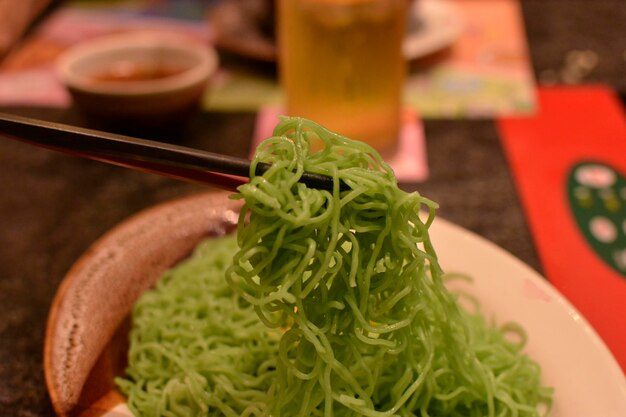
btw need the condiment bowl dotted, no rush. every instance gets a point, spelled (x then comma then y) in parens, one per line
(138, 77)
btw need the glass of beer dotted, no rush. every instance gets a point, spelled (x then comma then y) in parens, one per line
(341, 65)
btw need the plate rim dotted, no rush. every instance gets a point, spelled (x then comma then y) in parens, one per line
(563, 307)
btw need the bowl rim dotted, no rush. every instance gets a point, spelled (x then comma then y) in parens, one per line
(199, 74)
(70, 349)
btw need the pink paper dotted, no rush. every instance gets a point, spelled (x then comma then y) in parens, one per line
(408, 162)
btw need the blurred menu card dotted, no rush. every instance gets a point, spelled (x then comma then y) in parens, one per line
(570, 167)
(486, 70)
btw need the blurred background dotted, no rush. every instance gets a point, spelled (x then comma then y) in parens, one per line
(505, 112)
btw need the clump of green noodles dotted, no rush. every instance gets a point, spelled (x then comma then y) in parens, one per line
(352, 279)
(334, 306)
(196, 348)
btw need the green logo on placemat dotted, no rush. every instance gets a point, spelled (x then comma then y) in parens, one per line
(597, 197)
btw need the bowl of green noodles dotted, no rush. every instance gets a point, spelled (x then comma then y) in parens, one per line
(281, 300)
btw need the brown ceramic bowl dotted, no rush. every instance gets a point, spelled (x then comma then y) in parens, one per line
(86, 336)
(138, 77)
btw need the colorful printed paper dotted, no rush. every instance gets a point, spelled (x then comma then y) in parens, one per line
(487, 70)
(569, 162)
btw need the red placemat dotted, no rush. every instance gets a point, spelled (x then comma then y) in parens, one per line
(569, 163)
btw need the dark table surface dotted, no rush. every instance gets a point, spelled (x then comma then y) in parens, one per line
(54, 206)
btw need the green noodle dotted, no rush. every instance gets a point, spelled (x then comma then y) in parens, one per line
(337, 302)
(196, 348)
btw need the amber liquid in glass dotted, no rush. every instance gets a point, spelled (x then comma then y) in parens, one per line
(341, 65)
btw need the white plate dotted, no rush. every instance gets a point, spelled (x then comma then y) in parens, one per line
(433, 25)
(586, 378)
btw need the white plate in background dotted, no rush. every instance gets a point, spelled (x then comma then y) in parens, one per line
(433, 25)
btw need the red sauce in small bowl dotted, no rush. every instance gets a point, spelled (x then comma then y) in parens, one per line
(127, 71)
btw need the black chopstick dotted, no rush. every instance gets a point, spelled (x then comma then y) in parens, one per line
(145, 155)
